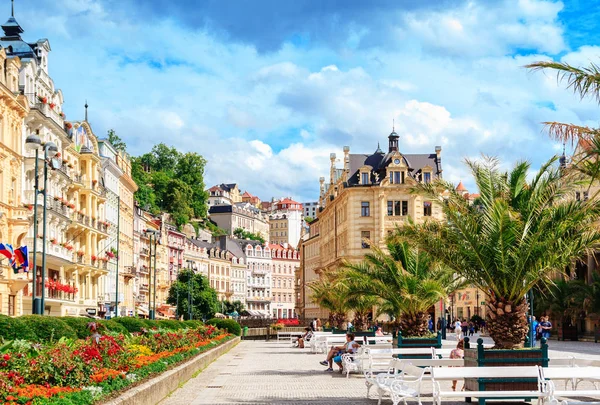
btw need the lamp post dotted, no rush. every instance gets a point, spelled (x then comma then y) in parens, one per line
(189, 262)
(151, 291)
(33, 142)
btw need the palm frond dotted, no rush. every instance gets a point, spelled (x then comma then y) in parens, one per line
(583, 81)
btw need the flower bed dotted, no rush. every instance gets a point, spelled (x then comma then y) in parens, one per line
(83, 371)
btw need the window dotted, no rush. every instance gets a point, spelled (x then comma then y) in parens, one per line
(364, 209)
(390, 208)
(364, 178)
(426, 177)
(578, 196)
(364, 239)
(397, 208)
(427, 208)
(12, 305)
(404, 208)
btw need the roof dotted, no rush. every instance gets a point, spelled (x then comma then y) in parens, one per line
(287, 201)
(461, 187)
(379, 162)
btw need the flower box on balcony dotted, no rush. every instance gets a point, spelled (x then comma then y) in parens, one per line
(53, 241)
(94, 258)
(80, 253)
(43, 100)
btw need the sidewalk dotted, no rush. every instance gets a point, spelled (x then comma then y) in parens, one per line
(259, 372)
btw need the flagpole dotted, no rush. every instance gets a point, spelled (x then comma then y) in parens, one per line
(34, 301)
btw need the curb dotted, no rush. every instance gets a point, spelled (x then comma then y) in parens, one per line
(156, 389)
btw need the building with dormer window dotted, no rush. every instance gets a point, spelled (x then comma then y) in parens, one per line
(362, 204)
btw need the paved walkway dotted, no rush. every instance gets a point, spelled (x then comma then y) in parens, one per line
(259, 372)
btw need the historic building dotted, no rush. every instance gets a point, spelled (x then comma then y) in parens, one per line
(251, 199)
(240, 215)
(285, 262)
(310, 209)
(362, 203)
(224, 194)
(14, 216)
(111, 174)
(285, 222)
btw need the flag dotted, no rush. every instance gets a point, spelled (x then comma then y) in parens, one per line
(7, 251)
(21, 259)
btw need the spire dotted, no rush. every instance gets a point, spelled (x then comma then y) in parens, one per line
(461, 187)
(378, 149)
(563, 159)
(11, 27)
(393, 125)
(86, 107)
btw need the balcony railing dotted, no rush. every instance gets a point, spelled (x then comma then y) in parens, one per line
(45, 108)
(144, 288)
(54, 249)
(258, 299)
(258, 285)
(145, 252)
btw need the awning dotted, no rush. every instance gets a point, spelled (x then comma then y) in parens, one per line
(142, 310)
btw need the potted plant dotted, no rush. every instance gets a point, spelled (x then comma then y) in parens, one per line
(52, 105)
(62, 115)
(94, 258)
(53, 241)
(43, 100)
(80, 253)
(68, 125)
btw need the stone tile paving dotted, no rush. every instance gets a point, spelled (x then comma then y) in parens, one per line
(259, 372)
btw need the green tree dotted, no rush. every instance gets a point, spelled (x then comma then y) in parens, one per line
(235, 306)
(328, 294)
(116, 141)
(178, 201)
(190, 169)
(405, 280)
(204, 298)
(523, 233)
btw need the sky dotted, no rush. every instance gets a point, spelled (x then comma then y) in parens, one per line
(265, 90)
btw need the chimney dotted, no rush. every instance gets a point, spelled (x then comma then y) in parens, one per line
(223, 242)
(332, 170)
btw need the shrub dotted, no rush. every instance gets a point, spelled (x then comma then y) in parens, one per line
(79, 325)
(151, 323)
(15, 328)
(113, 326)
(229, 325)
(133, 325)
(171, 324)
(47, 328)
(193, 324)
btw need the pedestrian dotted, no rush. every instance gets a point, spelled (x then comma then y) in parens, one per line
(458, 330)
(319, 324)
(535, 327)
(471, 328)
(349, 326)
(464, 327)
(313, 325)
(458, 353)
(439, 323)
(430, 324)
(546, 327)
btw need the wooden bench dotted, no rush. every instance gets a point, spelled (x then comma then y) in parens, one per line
(488, 374)
(574, 375)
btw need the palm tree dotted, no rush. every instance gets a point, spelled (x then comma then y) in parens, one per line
(584, 81)
(521, 233)
(404, 281)
(327, 294)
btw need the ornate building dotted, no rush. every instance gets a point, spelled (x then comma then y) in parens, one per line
(14, 216)
(364, 201)
(285, 262)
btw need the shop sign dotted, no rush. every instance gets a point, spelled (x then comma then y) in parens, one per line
(91, 311)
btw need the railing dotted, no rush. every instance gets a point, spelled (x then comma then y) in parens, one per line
(45, 108)
(57, 206)
(257, 271)
(258, 299)
(77, 178)
(54, 294)
(54, 249)
(258, 285)
(144, 270)
(79, 259)
(143, 287)
(145, 252)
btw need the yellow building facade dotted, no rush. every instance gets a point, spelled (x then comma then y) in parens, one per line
(362, 204)
(127, 273)
(14, 216)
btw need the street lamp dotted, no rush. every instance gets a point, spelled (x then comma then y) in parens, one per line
(190, 262)
(151, 300)
(33, 142)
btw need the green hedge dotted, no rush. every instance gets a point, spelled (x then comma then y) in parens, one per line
(133, 325)
(113, 326)
(193, 324)
(47, 328)
(14, 328)
(171, 324)
(78, 324)
(229, 325)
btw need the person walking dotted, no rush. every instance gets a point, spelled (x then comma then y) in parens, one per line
(457, 353)
(535, 327)
(458, 329)
(546, 327)
(319, 324)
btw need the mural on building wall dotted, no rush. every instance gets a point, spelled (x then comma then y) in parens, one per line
(82, 138)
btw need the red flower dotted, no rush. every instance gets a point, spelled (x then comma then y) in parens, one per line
(6, 357)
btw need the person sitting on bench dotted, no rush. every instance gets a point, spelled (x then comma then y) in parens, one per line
(304, 338)
(335, 354)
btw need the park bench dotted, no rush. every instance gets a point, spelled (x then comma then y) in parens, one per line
(401, 382)
(574, 375)
(441, 353)
(289, 336)
(317, 338)
(488, 375)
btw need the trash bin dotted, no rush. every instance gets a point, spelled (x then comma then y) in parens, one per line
(245, 331)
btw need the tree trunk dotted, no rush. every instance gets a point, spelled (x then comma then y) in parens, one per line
(414, 324)
(507, 322)
(360, 320)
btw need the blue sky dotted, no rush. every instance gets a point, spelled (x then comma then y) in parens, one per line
(265, 90)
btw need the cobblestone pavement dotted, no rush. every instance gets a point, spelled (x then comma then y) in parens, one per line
(259, 372)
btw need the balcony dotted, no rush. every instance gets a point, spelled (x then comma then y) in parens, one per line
(144, 270)
(257, 299)
(46, 109)
(58, 206)
(145, 252)
(143, 288)
(59, 290)
(261, 271)
(258, 285)
(64, 255)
